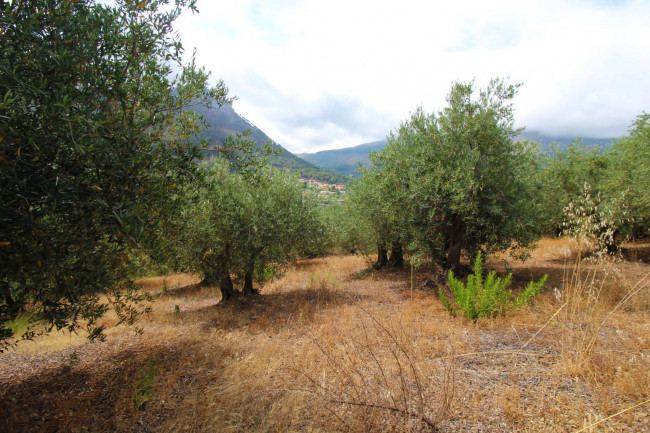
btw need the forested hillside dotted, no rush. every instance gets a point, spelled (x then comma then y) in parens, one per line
(224, 122)
(345, 161)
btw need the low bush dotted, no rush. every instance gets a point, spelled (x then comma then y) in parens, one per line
(487, 297)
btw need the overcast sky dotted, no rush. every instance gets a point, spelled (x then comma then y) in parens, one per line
(318, 75)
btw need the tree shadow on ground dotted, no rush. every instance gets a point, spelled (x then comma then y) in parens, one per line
(631, 252)
(107, 394)
(197, 290)
(522, 274)
(271, 312)
(637, 252)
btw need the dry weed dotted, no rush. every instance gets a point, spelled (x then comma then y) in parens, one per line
(588, 313)
(377, 379)
(508, 398)
(322, 350)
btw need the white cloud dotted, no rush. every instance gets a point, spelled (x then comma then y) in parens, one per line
(318, 75)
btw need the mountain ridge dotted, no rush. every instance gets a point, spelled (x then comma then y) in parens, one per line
(224, 121)
(336, 165)
(346, 160)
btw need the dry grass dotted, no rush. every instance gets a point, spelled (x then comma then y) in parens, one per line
(324, 350)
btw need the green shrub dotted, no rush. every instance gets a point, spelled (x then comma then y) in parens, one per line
(144, 387)
(485, 298)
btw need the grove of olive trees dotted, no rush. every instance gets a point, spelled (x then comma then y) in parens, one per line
(98, 159)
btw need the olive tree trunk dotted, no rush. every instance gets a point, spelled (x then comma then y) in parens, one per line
(382, 256)
(396, 254)
(220, 277)
(248, 276)
(456, 232)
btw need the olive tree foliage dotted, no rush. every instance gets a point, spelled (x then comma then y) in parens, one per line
(627, 177)
(374, 205)
(564, 174)
(92, 141)
(612, 182)
(573, 203)
(280, 226)
(244, 219)
(457, 179)
(341, 230)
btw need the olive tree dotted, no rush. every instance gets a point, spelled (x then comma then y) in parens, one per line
(377, 201)
(280, 225)
(242, 218)
(93, 139)
(607, 186)
(563, 175)
(627, 176)
(458, 180)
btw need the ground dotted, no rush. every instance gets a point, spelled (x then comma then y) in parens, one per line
(335, 346)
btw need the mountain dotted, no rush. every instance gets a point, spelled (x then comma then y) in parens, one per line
(338, 165)
(224, 121)
(545, 141)
(346, 161)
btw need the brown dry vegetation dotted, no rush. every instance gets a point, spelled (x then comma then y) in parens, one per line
(334, 347)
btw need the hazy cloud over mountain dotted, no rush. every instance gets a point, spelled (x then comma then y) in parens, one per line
(319, 75)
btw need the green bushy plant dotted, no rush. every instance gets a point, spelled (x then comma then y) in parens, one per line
(487, 297)
(144, 391)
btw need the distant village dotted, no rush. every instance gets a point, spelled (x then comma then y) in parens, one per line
(324, 190)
